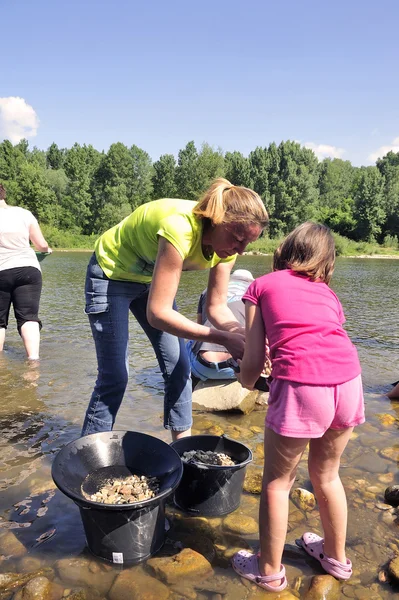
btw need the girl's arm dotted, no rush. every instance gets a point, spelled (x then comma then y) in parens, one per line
(37, 238)
(217, 309)
(160, 313)
(253, 361)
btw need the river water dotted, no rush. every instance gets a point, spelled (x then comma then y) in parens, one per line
(42, 408)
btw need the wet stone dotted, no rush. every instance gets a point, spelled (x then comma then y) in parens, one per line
(391, 495)
(303, 499)
(12, 581)
(76, 572)
(135, 584)
(386, 420)
(11, 546)
(38, 588)
(390, 454)
(216, 430)
(29, 563)
(323, 587)
(393, 569)
(253, 480)
(370, 462)
(188, 564)
(240, 524)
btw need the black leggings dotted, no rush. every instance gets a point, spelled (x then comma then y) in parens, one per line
(22, 288)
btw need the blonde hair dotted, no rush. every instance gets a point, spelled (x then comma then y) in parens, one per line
(224, 202)
(308, 250)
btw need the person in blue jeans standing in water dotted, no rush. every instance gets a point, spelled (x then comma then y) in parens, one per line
(136, 267)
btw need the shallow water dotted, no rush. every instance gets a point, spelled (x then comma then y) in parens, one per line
(42, 409)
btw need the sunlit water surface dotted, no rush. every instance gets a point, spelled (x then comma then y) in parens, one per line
(42, 409)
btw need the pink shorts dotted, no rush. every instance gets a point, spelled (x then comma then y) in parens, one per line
(307, 411)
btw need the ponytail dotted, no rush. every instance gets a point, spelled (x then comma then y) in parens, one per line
(224, 202)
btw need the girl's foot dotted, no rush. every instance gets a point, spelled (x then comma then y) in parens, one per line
(313, 544)
(246, 564)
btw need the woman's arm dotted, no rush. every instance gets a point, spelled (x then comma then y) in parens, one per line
(37, 238)
(160, 313)
(253, 361)
(217, 308)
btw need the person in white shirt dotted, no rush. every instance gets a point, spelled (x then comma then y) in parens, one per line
(20, 273)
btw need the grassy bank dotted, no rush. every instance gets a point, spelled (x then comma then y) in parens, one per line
(344, 246)
(67, 240)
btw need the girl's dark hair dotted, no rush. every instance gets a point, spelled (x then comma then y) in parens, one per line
(308, 250)
(3, 193)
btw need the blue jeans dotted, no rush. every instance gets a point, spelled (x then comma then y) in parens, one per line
(108, 303)
(203, 372)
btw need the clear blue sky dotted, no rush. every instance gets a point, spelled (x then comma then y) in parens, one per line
(233, 73)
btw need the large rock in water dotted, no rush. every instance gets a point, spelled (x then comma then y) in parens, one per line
(224, 394)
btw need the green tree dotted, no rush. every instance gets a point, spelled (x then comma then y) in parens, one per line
(187, 180)
(210, 166)
(54, 157)
(294, 190)
(81, 162)
(38, 157)
(11, 159)
(57, 181)
(237, 169)
(141, 182)
(34, 193)
(336, 178)
(389, 169)
(369, 203)
(116, 207)
(163, 180)
(259, 171)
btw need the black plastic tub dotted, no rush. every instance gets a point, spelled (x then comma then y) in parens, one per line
(128, 533)
(211, 490)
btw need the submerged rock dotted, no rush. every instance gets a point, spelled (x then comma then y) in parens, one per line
(135, 584)
(253, 480)
(323, 587)
(188, 564)
(393, 569)
(80, 572)
(303, 499)
(11, 546)
(12, 581)
(391, 495)
(243, 524)
(39, 588)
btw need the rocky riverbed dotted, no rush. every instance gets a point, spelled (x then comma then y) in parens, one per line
(43, 553)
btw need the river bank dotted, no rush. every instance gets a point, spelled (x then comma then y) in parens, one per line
(384, 256)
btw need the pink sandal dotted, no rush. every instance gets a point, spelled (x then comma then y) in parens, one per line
(313, 544)
(246, 564)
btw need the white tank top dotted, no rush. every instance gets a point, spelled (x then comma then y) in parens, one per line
(15, 250)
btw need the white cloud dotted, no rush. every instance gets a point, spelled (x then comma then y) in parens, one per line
(18, 119)
(324, 150)
(382, 150)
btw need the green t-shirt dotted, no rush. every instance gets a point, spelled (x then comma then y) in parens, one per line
(128, 250)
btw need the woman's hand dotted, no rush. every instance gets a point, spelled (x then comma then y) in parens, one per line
(234, 343)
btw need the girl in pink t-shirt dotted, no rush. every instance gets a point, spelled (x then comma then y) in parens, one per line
(316, 397)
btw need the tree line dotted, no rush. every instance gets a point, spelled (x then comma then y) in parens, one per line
(85, 191)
